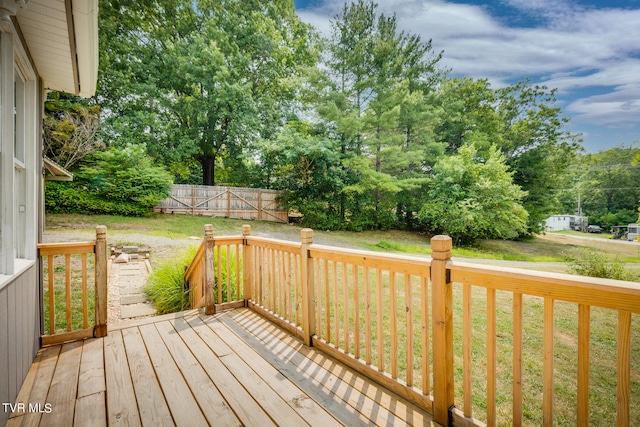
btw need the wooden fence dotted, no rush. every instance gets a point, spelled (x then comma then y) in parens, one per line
(431, 329)
(228, 202)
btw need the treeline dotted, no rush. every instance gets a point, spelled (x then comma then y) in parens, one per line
(362, 130)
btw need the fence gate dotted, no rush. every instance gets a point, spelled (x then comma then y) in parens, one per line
(229, 202)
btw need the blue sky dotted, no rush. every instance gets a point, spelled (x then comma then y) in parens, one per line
(589, 50)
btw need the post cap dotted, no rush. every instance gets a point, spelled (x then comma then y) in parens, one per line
(246, 230)
(101, 231)
(441, 247)
(208, 230)
(306, 234)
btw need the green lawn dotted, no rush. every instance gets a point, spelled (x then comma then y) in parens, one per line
(183, 226)
(550, 248)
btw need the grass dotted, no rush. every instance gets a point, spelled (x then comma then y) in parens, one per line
(60, 304)
(551, 248)
(603, 345)
(165, 286)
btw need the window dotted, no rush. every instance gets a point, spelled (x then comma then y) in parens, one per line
(19, 161)
(20, 172)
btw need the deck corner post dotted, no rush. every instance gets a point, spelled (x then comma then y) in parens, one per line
(442, 317)
(101, 292)
(308, 305)
(209, 270)
(247, 265)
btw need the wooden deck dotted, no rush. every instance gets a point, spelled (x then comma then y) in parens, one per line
(188, 369)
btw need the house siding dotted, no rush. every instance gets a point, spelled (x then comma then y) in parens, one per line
(20, 331)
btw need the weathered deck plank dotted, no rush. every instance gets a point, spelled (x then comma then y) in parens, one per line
(91, 369)
(121, 405)
(180, 400)
(324, 378)
(211, 402)
(234, 368)
(64, 387)
(152, 407)
(299, 401)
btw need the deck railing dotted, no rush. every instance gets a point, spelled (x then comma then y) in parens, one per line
(70, 274)
(432, 330)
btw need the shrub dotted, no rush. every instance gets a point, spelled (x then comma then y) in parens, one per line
(165, 286)
(597, 264)
(118, 181)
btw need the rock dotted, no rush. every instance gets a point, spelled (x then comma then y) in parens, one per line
(122, 258)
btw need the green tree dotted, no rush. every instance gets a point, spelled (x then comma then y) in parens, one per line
(473, 197)
(524, 123)
(71, 126)
(375, 104)
(608, 184)
(306, 164)
(199, 81)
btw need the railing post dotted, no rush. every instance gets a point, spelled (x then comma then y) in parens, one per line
(101, 293)
(442, 315)
(247, 265)
(306, 275)
(209, 271)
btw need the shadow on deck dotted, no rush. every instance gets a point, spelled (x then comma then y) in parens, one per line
(188, 369)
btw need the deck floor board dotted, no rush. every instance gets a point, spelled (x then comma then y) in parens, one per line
(231, 369)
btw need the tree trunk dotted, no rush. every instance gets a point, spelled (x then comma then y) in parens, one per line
(208, 169)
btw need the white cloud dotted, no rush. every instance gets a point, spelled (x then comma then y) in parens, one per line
(570, 47)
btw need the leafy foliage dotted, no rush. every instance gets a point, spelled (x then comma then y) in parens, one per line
(607, 185)
(597, 264)
(70, 129)
(472, 198)
(117, 181)
(230, 91)
(199, 81)
(165, 286)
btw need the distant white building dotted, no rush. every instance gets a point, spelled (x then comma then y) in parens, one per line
(566, 222)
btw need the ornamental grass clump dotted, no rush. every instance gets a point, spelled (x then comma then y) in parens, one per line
(165, 286)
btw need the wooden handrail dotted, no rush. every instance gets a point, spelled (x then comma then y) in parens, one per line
(68, 249)
(385, 314)
(597, 292)
(585, 292)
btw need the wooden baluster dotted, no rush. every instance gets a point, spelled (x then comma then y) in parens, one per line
(101, 292)
(393, 313)
(228, 257)
(52, 294)
(336, 312)
(466, 349)
(442, 324)
(345, 301)
(380, 316)
(85, 297)
(318, 299)
(491, 357)
(209, 270)
(624, 369)
(409, 322)
(247, 265)
(517, 359)
(306, 277)
(548, 362)
(327, 301)
(424, 300)
(67, 287)
(217, 268)
(367, 315)
(356, 313)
